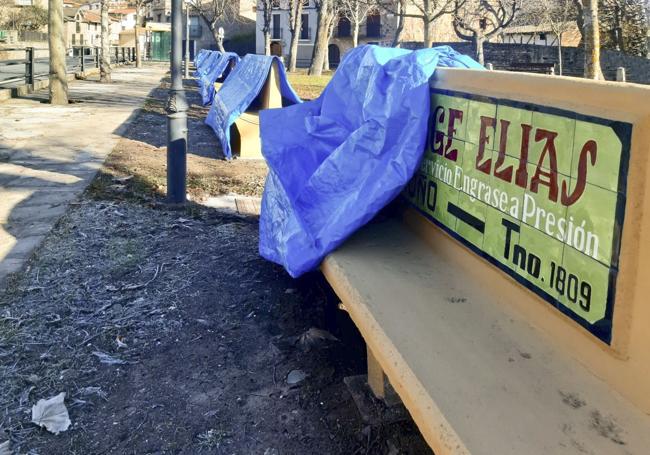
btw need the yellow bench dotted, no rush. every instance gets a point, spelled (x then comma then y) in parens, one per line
(481, 359)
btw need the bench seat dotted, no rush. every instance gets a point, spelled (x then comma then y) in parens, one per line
(474, 374)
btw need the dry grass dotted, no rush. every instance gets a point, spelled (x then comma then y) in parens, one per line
(137, 169)
(145, 171)
(309, 87)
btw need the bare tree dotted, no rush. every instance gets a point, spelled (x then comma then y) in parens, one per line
(591, 35)
(556, 15)
(430, 10)
(25, 18)
(479, 20)
(623, 26)
(139, 5)
(6, 6)
(399, 11)
(356, 11)
(266, 6)
(335, 14)
(295, 27)
(216, 12)
(58, 79)
(325, 15)
(105, 59)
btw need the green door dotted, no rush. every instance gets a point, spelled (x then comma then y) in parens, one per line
(160, 45)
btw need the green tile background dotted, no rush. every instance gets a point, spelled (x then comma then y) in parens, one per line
(597, 206)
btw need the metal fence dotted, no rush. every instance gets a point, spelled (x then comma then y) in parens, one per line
(34, 65)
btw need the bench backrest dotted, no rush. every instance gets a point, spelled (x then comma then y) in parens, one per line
(541, 182)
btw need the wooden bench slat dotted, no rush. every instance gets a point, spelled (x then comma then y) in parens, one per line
(476, 377)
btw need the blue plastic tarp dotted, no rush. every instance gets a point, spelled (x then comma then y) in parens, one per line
(219, 67)
(203, 53)
(201, 70)
(335, 162)
(239, 91)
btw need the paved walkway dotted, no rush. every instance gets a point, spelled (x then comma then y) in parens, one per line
(49, 154)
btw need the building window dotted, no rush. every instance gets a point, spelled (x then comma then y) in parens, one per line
(196, 29)
(542, 36)
(159, 18)
(277, 29)
(344, 27)
(78, 27)
(275, 4)
(373, 26)
(304, 27)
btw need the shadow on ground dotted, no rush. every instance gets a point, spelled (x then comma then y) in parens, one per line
(169, 334)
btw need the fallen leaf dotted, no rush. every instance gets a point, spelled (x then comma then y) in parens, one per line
(120, 342)
(5, 449)
(105, 358)
(122, 179)
(296, 376)
(315, 336)
(51, 414)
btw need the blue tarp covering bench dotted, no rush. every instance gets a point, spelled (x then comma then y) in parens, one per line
(335, 162)
(242, 91)
(200, 57)
(218, 69)
(206, 63)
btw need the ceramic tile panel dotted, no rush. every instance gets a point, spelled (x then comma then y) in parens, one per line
(537, 191)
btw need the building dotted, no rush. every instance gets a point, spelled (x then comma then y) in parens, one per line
(159, 11)
(39, 3)
(124, 16)
(379, 27)
(238, 33)
(83, 27)
(541, 35)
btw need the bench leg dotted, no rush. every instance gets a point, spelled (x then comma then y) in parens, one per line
(376, 377)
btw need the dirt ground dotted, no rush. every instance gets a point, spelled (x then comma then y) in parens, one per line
(169, 334)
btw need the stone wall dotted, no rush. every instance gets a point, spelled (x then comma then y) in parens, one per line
(504, 56)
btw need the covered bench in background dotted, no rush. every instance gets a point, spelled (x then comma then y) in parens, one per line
(258, 82)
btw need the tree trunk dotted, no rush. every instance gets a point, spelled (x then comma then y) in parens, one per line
(428, 35)
(326, 60)
(559, 53)
(355, 34)
(267, 42)
(56, 41)
(478, 47)
(295, 37)
(215, 34)
(618, 29)
(397, 39)
(320, 46)
(330, 33)
(592, 40)
(138, 57)
(219, 40)
(105, 61)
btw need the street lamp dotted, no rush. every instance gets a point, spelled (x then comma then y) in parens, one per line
(176, 115)
(187, 39)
